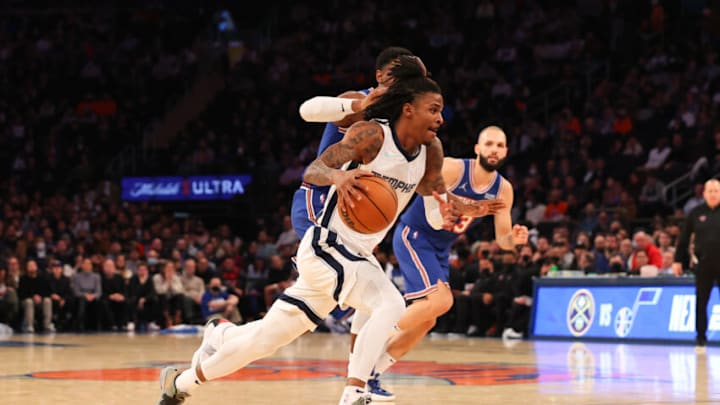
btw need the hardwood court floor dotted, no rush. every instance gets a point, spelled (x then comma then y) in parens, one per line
(123, 369)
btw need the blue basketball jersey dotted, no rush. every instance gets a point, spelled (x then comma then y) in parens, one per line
(309, 199)
(414, 216)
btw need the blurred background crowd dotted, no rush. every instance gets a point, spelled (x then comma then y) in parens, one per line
(610, 109)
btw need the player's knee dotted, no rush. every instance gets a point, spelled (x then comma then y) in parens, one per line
(442, 301)
(429, 324)
(393, 306)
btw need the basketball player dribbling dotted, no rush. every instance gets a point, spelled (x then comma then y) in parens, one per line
(423, 251)
(339, 113)
(335, 263)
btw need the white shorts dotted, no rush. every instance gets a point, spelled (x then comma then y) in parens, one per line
(328, 272)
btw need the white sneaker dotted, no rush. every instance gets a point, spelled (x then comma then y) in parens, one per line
(354, 396)
(510, 333)
(131, 326)
(50, 328)
(211, 341)
(153, 327)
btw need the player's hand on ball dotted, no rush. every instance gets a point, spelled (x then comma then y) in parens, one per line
(346, 185)
(520, 234)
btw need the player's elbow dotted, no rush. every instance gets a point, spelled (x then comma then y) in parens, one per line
(308, 110)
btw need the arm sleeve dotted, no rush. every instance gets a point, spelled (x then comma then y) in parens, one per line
(432, 211)
(326, 109)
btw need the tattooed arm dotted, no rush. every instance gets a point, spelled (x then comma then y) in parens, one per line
(361, 143)
(433, 178)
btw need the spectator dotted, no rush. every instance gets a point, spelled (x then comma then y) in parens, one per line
(626, 252)
(288, 235)
(462, 276)
(665, 242)
(217, 301)
(602, 262)
(253, 303)
(8, 298)
(642, 265)
(483, 309)
(204, 271)
(695, 200)
(643, 242)
(143, 303)
(618, 264)
(556, 207)
(194, 288)
(169, 290)
(113, 298)
(518, 320)
(652, 196)
(34, 293)
(62, 296)
(565, 256)
(265, 246)
(279, 278)
(657, 155)
(13, 272)
(88, 290)
(667, 260)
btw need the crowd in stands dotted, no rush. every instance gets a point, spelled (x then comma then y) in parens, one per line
(79, 86)
(589, 178)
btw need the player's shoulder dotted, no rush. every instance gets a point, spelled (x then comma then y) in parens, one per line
(506, 187)
(361, 130)
(453, 164)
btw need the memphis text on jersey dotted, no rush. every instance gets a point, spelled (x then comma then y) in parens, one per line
(397, 184)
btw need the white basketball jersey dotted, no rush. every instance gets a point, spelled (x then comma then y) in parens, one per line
(401, 171)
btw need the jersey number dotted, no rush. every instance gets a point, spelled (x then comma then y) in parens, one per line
(462, 224)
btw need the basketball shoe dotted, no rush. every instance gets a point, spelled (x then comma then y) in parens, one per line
(378, 393)
(211, 341)
(170, 395)
(355, 396)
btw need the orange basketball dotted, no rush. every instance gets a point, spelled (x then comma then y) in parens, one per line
(375, 211)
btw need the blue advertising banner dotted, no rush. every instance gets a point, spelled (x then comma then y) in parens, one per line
(184, 188)
(643, 312)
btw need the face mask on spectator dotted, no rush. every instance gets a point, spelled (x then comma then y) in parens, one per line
(215, 289)
(152, 261)
(616, 268)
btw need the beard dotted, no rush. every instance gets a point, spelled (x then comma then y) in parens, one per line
(490, 167)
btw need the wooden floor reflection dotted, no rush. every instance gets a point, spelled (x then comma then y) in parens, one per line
(123, 369)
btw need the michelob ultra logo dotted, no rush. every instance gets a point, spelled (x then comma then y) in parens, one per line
(184, 188)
